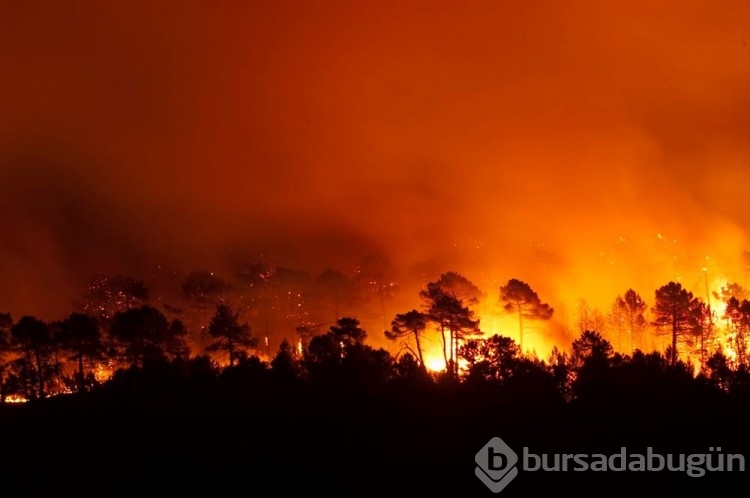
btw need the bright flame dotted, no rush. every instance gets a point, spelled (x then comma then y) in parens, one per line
(103, 373)
(434, 363)
(539, 338)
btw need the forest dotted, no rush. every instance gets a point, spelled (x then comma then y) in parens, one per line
(346, 249)
(119, 323)
(146, 401)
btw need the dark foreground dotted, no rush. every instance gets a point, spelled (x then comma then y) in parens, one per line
(247, 433)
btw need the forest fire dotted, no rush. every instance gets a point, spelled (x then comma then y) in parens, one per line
(381, 230)
(451, 320)
(543, 166)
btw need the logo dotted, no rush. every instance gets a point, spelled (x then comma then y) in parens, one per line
(496, 464)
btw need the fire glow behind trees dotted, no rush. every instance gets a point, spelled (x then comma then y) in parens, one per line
(304, 164)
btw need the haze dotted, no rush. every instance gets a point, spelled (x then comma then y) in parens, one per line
(584, 147)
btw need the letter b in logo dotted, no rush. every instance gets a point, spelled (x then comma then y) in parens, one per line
(497, 461)
(496, 464)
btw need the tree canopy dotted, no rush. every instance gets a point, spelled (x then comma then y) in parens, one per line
(518, 297)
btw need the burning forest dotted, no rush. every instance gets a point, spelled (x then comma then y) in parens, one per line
(373, 248)
(445, 328)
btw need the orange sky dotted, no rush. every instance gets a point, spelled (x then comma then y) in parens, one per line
(546, 141)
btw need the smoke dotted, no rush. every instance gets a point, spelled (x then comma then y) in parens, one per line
(584, 149)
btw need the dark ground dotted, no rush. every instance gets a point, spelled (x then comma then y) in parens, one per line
(248, 439)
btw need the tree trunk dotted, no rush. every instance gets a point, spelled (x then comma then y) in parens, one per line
(230, 347)
(419, 348)
(445, 355)
(455, 354)
(452, 356)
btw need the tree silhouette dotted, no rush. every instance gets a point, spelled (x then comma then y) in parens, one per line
(365, 367)
(175, 344)
(79, 335)
(733, 295)
(731, 290)
(591, 358)
(348, 332)
(323, 352)
(33, 340)
(519, 298)
(461, 287)
(675, 308)
(738, 314)
(432, 296)
(616, 318)
(230, 335)
(284, 365)
(495, 358)
(450, 315)
(628, 313)
(412, 323)
(591, 346)
(22, 378)
(718, 370)
(560, 367)
(589, 318)
(144, 334)
(408, 369)
(703, 329)
(341, 358)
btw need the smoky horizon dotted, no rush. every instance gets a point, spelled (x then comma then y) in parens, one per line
(586, 149)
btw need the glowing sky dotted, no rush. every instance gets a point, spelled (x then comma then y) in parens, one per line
(548, 141)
